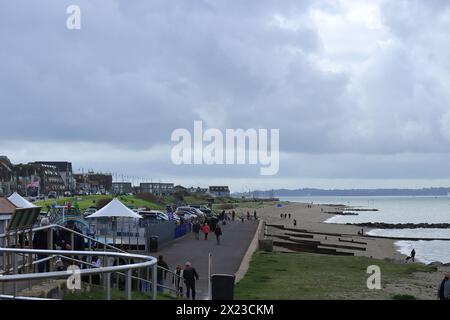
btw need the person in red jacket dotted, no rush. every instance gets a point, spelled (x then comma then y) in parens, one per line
(206, 230)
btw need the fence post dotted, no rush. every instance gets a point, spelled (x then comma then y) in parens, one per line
(107, 283)
(14, 261)
(128, 285)
(154, 281)
(209, 276)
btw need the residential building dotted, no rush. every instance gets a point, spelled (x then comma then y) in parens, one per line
(198, 190)
(7, 176)
(37, 179)
(7, 208)
(65, 170)
(157, 188)
(93, 182)
(122, 188)
(219, 191)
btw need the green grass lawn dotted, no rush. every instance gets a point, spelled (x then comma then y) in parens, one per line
(132, 201)
(309, 276)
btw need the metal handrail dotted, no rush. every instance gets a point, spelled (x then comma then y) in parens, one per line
(148, 261)
(12, 233)
(63, 274)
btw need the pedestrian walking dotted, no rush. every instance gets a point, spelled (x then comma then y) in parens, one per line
(254, 215)
(206, 230)
(40, 242)
(444, 288)
(295, 223)
(176, 280)
(161, 274)
(289, 216)
(233, 215)
(196, 229)
(218, 233)
(412, 255)
(189, 276)
(248, 215)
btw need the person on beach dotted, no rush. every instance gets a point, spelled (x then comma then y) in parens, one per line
(442, 293)
(254, 215)
(295, 223)
(206, 230)
(189, 276)
(196, 229)
(289, 216)
(176, 280)
(412, 256)
(161, 274)
(218, 233)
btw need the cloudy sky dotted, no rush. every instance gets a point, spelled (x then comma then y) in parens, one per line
(359, 90)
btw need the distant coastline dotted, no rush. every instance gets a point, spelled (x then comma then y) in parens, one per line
(311, 192)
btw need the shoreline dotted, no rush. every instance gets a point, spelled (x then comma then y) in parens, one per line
(312, 218)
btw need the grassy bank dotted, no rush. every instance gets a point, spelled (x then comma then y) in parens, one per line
(311, 276)
(156, 203)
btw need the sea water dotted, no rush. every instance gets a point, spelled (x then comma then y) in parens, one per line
(398, 210)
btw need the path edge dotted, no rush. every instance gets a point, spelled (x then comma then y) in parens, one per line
(245, 263)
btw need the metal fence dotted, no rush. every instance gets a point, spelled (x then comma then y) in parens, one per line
(16, 262)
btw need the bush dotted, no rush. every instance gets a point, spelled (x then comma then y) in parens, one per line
(147, 197)
(102, 202)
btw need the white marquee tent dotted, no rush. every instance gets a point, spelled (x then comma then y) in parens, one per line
(115, 209)
(20, 202)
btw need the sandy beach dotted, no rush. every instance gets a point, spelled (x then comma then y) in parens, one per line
(312, 218)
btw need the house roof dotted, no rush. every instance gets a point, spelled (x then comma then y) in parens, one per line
(6, 206)
(20, 202)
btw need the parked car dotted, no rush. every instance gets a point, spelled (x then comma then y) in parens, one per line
(192, 210)
(52, 195)
(89, 211)
(186, 215)
(202, 208)
(158, 215)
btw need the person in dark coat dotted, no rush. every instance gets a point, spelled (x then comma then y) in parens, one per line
(161, 274)
(412, 256)
(196, 229)
(189, 276)
(65, 239)
(218, 233)
(40, 241)
(254, 215)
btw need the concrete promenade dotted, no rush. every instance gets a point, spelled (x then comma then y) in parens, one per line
(226, 257)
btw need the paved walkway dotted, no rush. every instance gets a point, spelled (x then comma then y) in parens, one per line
(226, 257)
